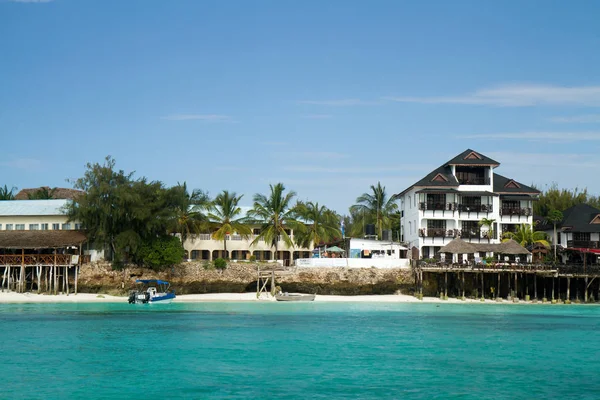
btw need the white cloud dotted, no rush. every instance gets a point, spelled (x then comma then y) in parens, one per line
(517, 95)
(339, 102)
(28, 164)
(561, 137)
(317, 116)
(579, 119)
(30, 1)
(201, 117)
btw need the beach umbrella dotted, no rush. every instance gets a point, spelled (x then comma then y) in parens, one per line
(335, 249)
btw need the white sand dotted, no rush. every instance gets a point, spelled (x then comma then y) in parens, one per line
(11, 297)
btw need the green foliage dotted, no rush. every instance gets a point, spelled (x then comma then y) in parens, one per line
(43, 193)
(554, 198)
(526, 236)
(275, 214)
(208, 266)
(188, 217)
(220, 264)
(6, 193)
(320, 225)
(225, 217)
(161, 252)
(252, 258)
(376, 207)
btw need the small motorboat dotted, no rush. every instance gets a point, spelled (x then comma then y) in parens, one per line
(294, 297)
(152, 291)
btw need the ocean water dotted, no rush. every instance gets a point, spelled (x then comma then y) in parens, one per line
(299, 351)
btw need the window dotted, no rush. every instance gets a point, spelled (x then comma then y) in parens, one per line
(44, 227)
(583, 236)
(77, 227)
(55, 227)
(34, 227)
(436, 224)
(0, 227)
(66, 227)
(19, 227)
(436, 201)
(409, 227)
(409, 202)
(9, 227)
(470, 229)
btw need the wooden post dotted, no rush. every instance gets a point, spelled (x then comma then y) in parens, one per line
(3, 278)
(67, 279)
(544, 280)
(482, 287)
(273, 281)
(463, 284)
(535, 286)
(552, 288)
(445, 285)
(22, 277)
(54, 279)
(585, 294)
(498, 289)
(76, 276)
(516, 286)
(568, 289)
(38, 269)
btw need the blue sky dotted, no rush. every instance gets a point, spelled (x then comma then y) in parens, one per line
(328, 97)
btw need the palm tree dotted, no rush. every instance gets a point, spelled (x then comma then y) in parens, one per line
(6, 193)
(188, 216)
(43, 193)
(377, 206)
(554, 216)
(319, 224)
(275, 216)
(223, 215)
(526, 236)
(489, 223)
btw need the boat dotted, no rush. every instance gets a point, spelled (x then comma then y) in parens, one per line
(152, 291)
(294, 297)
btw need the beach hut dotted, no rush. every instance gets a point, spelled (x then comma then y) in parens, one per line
(456, 247)
(513, 249)
(49, 255)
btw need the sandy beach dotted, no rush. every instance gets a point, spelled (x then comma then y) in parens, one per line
(12, 297)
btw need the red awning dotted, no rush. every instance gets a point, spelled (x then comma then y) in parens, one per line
(582, 250)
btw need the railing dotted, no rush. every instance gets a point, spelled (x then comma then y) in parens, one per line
(437, 206)
(515, 211)
(437, 232)
(472, 234)
(37, 259)
(587, 244)
(487, 208)
(474, 181)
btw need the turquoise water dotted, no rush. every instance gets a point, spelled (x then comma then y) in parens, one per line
(295, 351)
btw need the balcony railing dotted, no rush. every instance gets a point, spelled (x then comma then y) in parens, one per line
(475, 234)
(437, 232)
(487, 208)
(474, 181)
(586, 244)
(437, 206)
(505, 211)
(40, 259)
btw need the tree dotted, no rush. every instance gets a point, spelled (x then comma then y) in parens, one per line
(319, 224)
(554, 216)
(526, 236)
(225, 214)
(554, 198)
(489, 223)
(6, 193)
(161, 251)
(376, 207)
(43, 193)
(189, 218)
(275, 215)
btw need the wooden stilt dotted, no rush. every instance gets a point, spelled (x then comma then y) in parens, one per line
(54, 279)
(463, 285)
(38, 270)
(516, 286)
(76, 276)
(482, 288)
(544, 282)
(585, 293)
(4, 278)
(552, 288)
(535, 286)
(445, 285)
(498, 288)
(568, 299)
(22, 276)
(67, 279)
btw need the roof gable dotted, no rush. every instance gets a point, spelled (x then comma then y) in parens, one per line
(596, 220)
(580, 218)
(504, 185)
(512, 184)
(471, 157)
(439, 178)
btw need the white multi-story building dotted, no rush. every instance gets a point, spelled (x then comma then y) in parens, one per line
(30, 215)
(453, 199)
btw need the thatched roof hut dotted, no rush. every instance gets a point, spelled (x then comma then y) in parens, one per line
(458, 246)
(511, 247)
(40, 239)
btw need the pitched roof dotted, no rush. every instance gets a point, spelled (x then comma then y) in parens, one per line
(504, 185)
(439, 177)
(40, 239)
(57, 193)
(32, 207)
(459, 246)
(579, 218)
(471, 157)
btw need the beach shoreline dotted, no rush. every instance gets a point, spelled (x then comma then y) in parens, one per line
(19, 298)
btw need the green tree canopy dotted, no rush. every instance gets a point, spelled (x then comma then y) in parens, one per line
(526, 236)
(275, 214)
(554, 198)
(376, 207)
(225, 216)
(189, 218)
(319, 224)
(6, 193)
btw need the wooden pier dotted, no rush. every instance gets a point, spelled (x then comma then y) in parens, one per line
(545, 282)
(268, 274)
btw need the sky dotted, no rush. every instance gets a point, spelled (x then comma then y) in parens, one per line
(328, 97)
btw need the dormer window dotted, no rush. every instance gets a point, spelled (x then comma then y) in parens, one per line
(512, 184)
(473, 156)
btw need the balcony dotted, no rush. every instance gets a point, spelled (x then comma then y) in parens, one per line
(475, 234)
(473, 180)
(486, 208)
(437, 206)
(518, 211)
(437, 232)
(586, 244)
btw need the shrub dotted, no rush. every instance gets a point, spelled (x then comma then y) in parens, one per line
(220, 264)
(161, 252)
(253, 258)
(207, 265)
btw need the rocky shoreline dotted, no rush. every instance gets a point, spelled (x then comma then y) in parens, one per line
(194, 278)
